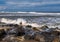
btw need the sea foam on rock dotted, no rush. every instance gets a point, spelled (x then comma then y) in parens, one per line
(10, 21)
(30, 32)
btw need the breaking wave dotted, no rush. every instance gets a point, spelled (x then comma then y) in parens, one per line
(28, 14)
(11, 21)
(18, 21)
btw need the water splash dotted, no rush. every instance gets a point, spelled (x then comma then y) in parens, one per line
(11, 21)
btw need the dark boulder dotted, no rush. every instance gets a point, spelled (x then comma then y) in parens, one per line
(2, 34)
(29, 26)
(35, 29)
(29, 34)
(39, 38)
(20, 31)
(10, 38)
(44, 27)
(55, 33)
(56, 39)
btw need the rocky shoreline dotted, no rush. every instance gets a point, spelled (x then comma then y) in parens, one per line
(28, 33)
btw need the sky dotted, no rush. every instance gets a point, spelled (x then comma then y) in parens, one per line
(30, 5)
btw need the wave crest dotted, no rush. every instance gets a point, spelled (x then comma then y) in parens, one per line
(16, 21)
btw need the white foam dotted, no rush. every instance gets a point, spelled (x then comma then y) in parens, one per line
(33, 24)
(10, 21)
(17, 21)
(32, 13)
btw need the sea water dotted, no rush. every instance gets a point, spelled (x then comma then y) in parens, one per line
(41, 20)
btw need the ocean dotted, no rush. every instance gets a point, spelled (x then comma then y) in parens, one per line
(41, 20)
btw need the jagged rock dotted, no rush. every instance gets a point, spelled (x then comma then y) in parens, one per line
(2, 34)
(16, 25)
(10, 38)
(17, 31)
(29, 26)
(56, 39)
(48, 36)
(12, 32)
(29, 34)
(36, 29)
(39, 38)
(56, 33)
(20, 31)
(44, 27)
(20, 38)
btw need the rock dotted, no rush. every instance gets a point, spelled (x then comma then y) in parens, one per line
(2, 34)
(48, 36)
(30, 41)
(20, 38)
(12, 32)
(20, 34)
(56, 33)
(15, 25)
(28, 26)
(36, 29)
(29, 34)
(56, 39)
(44, 27)
(10, 38)
(20, 31)
(17, 31)
(39, 37)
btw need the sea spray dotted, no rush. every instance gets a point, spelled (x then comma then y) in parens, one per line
(33, 24)
(16, 21)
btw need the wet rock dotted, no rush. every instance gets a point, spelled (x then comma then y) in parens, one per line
(44, 27)
(56, 39)
(29, 34)
(20, 31)
(39, 38)
(35, 29)
(48, 36)
(16, 25)
(20, 38)
(56, 33)
(10, 38)
(28, 26)
(12, 32)
(17, 30)
(2, 34)
(30, 41)
(20, 34)
(58, 30)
